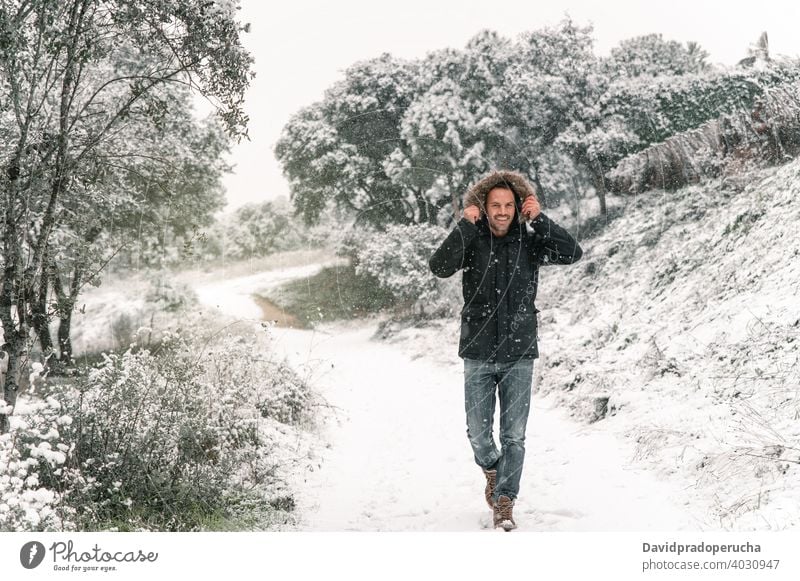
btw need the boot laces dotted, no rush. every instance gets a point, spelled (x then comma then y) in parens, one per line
(491, 477)
(505, 507)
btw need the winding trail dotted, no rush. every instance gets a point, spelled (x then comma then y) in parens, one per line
(397, 456)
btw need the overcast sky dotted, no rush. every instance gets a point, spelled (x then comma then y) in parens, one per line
(301, 47)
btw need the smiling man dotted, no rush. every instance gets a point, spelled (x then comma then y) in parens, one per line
(500, 242)
(500, 209)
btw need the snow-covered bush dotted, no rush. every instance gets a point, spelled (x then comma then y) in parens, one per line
(168, 294)
(725, 145)
(397, 259)
(166, 439)
(275, 390)
(32, 454)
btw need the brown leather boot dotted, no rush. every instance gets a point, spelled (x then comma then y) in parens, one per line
(491, 482)
(503, 514)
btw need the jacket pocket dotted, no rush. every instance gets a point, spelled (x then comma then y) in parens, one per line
(477, 328)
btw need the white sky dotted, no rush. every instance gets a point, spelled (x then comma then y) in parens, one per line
(301, 47)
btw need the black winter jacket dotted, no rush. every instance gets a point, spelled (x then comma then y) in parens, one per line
(499, 283)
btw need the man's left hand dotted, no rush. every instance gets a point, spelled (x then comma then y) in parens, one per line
(531, 208)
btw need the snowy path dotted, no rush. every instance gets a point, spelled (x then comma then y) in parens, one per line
(233, 296)
(397, 456)
(399, 460)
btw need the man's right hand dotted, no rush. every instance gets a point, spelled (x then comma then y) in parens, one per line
(472, 213)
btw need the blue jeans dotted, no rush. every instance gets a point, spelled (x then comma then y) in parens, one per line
(512, 381)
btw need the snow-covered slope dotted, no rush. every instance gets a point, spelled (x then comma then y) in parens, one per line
(685, 313)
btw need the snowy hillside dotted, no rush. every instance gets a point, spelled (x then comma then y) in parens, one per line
(677, 332)
(685, 314)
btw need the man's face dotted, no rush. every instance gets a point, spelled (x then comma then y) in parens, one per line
(500, 210)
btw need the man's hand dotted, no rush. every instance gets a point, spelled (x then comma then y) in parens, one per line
(531, 207)
(472, 213)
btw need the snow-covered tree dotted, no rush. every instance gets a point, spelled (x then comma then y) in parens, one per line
(397, 141)
(333, 151)
(159, 180)
(72, 76)
(652, 56)
(400, 142)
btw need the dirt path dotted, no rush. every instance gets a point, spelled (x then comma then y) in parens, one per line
(240, 297)
(272, 312)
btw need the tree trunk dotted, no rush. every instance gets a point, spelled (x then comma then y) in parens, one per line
(41, 325)
(599, 179)
(422, 206)
(600, 188)
(4, 364)
(65, 338)
(13, 327)
(66, 304)
(15, 350)
(40, 319)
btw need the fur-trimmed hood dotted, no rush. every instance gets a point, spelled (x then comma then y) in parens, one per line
(515, 181)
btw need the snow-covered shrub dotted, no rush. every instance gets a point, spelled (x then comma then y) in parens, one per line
(397, 259)
(697, 127)
(287, 397)
(274, 389)
(170, 295)
(32, 455)
(122, 329)
(166, 440)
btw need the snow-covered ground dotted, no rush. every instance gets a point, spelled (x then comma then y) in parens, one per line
(683, 313)
(398, 457)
